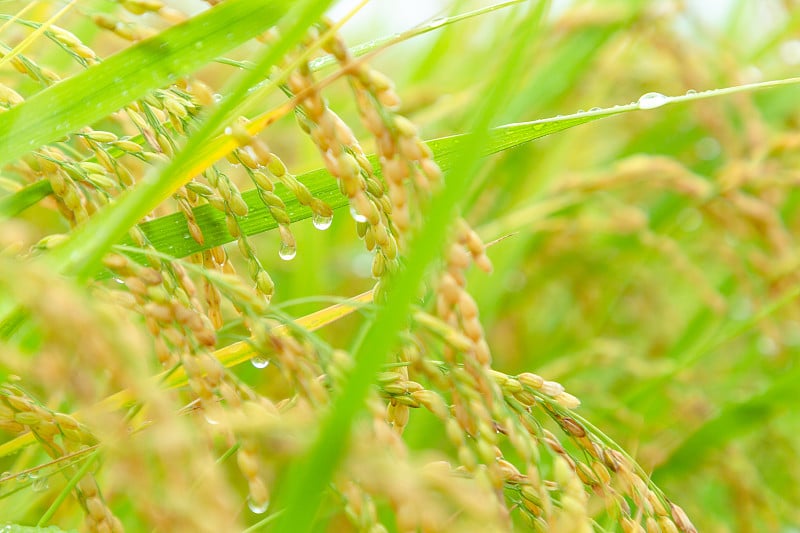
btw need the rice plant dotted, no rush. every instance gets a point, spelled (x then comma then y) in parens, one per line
(273, 266)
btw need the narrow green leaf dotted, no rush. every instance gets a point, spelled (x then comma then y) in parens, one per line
(169, 234)
(155, 62)
(24, 198)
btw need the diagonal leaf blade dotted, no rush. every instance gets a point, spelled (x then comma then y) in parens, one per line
(167, 233)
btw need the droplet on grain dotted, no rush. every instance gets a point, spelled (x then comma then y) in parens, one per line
(259, 362)
(287, 251)
(652, 100)
(358, 217)
(321, 222)
(256, 508)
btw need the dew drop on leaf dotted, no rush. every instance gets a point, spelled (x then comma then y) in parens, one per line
(435, 23)
(652, 100)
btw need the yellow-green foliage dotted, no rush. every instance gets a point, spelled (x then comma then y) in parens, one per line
(252, 279)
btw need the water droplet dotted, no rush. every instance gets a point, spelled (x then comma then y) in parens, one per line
(690, 92)
(595, 109)
(41, 484)
(228, 130)
(22, 478)
(259, 362)
(198, 44)
(210, 419)
(435, 23)
(217, 97)
(256, 508)
(652, 100)
(321, 222)
(358, 217)
(287, 251)
(230, 36)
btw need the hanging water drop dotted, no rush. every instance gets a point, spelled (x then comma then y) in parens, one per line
(256, 508)
(358, 217)
(287, 251)
(652, 100)
(321, 222)
(259, 362)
